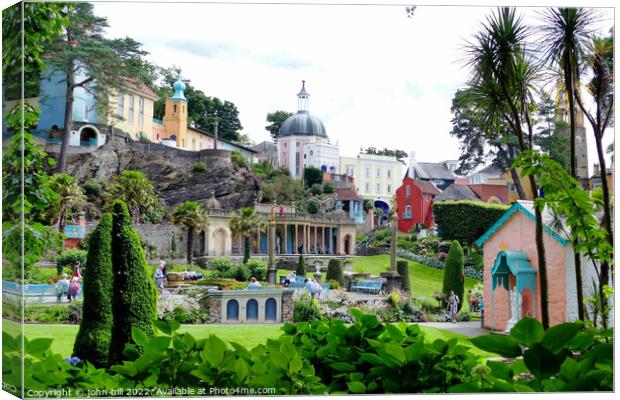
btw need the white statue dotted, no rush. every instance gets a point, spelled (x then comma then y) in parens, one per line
(515, 308)
(318, 268)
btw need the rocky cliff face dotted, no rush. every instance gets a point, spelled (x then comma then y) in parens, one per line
(171, 171)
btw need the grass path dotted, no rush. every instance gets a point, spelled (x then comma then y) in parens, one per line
(247, 335)
(424, 279)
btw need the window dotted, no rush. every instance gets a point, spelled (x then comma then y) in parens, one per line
(378, 172)
(140, 112)
(378, 188)
(368, 172)
(407, 212)
(297, 162)
(311, 153)
(367, 187)
(121, 105)
(389, 173)
(389, 188)
(130, 115)
(408, 190)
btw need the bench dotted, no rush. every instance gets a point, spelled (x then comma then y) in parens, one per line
(367, 286)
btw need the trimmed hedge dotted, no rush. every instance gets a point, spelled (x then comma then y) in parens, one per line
(465, 220)
(453, 278)
(334, 271)
(134, 299)
(92, 342)
(301, 266)
(402, 267)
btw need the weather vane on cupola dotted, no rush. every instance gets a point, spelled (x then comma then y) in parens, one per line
(303, 98)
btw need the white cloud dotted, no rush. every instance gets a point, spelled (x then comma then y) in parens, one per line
(376, 77)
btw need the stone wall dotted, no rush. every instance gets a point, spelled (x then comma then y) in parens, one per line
(288, 306)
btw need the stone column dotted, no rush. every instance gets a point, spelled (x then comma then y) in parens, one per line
(295, 244)
(288, 306)
(323, 230)
(271, 248)
(393, 278)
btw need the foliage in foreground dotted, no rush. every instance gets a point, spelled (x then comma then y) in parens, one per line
(334, 357)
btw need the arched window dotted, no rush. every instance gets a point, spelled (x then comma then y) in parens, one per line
(232, 310)
(271, 311)
(251, 311)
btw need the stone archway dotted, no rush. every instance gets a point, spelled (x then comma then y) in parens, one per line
(89, 135)
(219, 242)
(347, 244)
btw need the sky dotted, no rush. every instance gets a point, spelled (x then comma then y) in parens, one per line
(375, 77)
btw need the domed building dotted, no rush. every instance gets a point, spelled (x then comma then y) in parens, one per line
(303, 142)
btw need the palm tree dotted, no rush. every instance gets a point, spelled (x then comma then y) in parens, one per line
(247, 222)
(600, 63)
(69, 192)
(193, 217)
(567, 33)
(503, 78)
(136, 190)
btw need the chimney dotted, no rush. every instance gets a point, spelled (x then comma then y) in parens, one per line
(412, 161)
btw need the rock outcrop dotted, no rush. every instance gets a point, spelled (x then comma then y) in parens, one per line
(172, 172)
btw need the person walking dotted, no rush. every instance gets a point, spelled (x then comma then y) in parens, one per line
(310, 287)
(472, 300)
(74, 288)
(164, 269)
(453, 306)
(62, 288)
(77, 271)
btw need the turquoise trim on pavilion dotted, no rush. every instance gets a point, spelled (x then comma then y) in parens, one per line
(513, 209)
(517, 264)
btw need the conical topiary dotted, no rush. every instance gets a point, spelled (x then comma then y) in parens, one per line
(453, 278)
(301, 266)
(334, 271)
(93, 338)
(134, 299)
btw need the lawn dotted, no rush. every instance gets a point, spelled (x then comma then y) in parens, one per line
(424, 280)
(247, 335)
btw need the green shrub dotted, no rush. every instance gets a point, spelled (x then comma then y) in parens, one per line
(306, 309)
(475, 260)
(93, 188)
(334, 284)
(92, 342)
(301, 266)
(134, 300)
(453, 273)
(465, 220)
(239, 272)
(258, 269)
(199, 166)
(238, 159)
(312, 206)
(312, 176)
(316, 189)
(221, 264)
(334, 271)
(69, 258)
(402, 267)
(329, 187)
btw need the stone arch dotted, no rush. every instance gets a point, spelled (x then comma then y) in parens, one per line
(271, 309)
(88, 134)
(347, 244)
(219, 242)
(251, 310)
(232, 310)
(494, 200)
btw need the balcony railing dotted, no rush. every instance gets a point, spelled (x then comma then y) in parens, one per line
(290, 216)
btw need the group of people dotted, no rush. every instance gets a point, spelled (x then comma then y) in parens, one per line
(312, 286)
(475, 304)
(69, 288)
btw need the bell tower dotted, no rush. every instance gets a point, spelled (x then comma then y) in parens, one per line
(175, 115)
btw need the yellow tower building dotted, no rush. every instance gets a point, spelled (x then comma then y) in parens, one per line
(175, 115)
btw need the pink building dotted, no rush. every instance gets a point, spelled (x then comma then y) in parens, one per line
(511, 264)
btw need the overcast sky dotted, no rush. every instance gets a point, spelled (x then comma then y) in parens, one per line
(376, 78)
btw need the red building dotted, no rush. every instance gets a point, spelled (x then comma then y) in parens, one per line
(490, 193)
(414, 200)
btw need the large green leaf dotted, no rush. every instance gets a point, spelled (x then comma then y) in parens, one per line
(541, 362)
(528, 331)
(356, 387)
(37, 346)
(505, 346)
(557, 337)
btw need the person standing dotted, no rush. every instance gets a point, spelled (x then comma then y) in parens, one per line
(74, 288)
(472, 300)
(77, 271)
(159, 278)
(164, 269)
(453, 306)
(62, 287)
(253, 283)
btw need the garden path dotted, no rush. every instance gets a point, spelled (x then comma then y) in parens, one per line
(467, 328)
